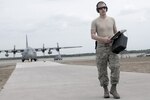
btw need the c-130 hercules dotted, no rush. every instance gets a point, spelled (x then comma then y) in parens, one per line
(30, 53)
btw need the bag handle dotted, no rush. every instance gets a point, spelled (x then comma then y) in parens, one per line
(118, 34)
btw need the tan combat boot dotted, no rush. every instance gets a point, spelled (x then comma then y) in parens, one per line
(113, 91)
(106, 92)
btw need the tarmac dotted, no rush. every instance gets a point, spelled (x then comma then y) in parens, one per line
(54, 81)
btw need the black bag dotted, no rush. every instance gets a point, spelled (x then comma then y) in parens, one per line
(119, 42)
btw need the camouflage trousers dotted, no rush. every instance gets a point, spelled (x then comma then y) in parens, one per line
(104, 58)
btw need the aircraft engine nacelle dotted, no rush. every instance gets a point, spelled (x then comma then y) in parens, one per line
(49, 52)
(6, 54)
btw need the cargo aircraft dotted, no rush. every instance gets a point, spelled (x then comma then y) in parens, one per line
(30, 53)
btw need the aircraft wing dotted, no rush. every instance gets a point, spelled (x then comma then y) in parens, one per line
(54, 48)
(43, 49)
(14, 51)
(40, 49)
(64, 47)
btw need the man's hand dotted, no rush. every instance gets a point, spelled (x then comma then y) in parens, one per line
(107, 39)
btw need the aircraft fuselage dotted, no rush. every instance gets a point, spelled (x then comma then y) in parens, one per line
(29, 54)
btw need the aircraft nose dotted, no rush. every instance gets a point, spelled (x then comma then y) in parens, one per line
(30, 54)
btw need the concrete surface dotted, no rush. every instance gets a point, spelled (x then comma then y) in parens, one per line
(53, 81)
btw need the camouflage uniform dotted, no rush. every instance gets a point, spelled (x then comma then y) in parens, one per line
(104, 56)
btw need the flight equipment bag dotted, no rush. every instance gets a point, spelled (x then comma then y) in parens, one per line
(119, 42)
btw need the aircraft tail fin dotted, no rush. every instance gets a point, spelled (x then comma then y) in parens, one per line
(26, 41)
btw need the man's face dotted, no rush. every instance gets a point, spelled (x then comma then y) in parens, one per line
(102, 8)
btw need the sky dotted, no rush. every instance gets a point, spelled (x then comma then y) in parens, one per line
(68, 22)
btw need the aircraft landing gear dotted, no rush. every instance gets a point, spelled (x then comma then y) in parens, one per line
(29, 60)
(22, 60)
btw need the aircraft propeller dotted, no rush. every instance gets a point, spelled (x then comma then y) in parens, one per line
(58, 48)
(14, 51)
(58, 57)
(43, 49)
